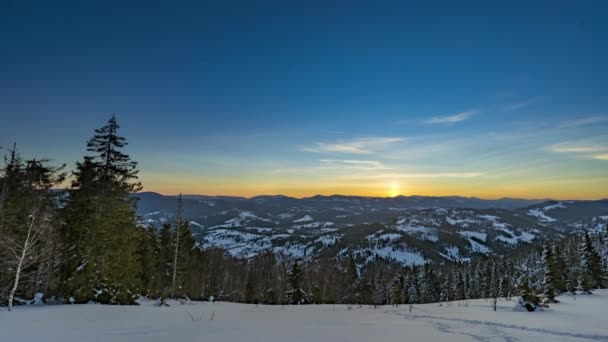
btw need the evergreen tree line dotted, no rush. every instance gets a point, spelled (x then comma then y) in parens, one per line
(87, 244)
(536, 275)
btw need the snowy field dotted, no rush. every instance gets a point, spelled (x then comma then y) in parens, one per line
(582, 319)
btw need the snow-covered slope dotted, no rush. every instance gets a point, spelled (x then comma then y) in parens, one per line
(371, 227)
(582, 319)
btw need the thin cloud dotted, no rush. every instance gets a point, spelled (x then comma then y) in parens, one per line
(574, 148)
(597, 152)
(601, 156)
(365, 165)
(368, 145)
(285, 170)
(422, 175)
(451, 118)
(591, 120)
(522, 104)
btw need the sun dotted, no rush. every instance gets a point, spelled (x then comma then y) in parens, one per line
(394, 189)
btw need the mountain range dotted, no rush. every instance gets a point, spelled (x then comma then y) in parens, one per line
(404, 229)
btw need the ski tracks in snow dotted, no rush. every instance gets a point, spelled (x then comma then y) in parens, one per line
(495, 331)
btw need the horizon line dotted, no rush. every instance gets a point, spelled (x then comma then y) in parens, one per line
(384, 197)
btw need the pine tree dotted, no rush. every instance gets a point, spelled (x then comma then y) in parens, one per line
(351, 286)
(189, 272)
(381, 291)
(116, 170)
(604, 250)
(493, 284)
(162, 267)
(424, 282)
(559, 269)
(148, 252)
(296, 294)
(397, 288)
(590, 265)
(528, 297)
(412, 291)
(251, 295)
(548, 268)
(101, 223)
(446, 287)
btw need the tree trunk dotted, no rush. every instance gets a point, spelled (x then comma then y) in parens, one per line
(179, 222)
(3, 195)
(24, 251)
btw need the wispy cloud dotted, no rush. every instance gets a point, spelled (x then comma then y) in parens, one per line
(420, 175)
(367, 145)
(560, 148)
(590, 120)
(600, 156)
(522, 104)
(285, 170)
(451, 118)
(591, 151)
(365, 165)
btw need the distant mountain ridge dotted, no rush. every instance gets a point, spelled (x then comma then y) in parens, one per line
(414, 201)
(405, 229)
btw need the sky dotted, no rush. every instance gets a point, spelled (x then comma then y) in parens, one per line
(379, 98)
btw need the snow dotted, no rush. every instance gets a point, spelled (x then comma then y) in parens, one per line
(476, 247)
(81, 266)
(314, 225)
(294, 250)
(496, 224)
(238, 221)
(582, 319)
(260, 230)
(305, 218)
(554, 206)
(422, 232)
(453, 253)
(401, 256)
(250, 215)
(194, 223)
(478, 235)
(460, 222)
(515, 239)
(329, 240)
(237, 244)
(383, 237)
(489, 217)
(541, 215)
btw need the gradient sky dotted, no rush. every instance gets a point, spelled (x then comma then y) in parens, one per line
(304, 97)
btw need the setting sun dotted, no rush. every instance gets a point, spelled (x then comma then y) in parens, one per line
(393, 189)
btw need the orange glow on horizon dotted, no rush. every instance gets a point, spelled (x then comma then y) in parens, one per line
(380, 190)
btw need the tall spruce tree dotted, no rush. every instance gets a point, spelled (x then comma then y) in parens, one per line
(528, 297)
(548, 268)
(590, 265)
(148, 252)
(296, 295)
(101, 224)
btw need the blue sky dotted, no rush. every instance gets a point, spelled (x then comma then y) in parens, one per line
(376, 98)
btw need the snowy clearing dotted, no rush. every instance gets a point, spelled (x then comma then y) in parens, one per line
(582, 319)
(541, 215)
